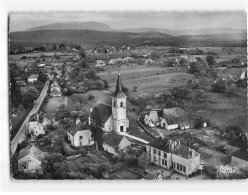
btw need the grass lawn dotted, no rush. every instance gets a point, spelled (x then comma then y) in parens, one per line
(148, 79)
(221, 109)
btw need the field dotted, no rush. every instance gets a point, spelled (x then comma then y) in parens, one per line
(151, 80)
(221, 109)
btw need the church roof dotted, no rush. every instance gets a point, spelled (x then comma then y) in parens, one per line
(118, 89)
(102, 111)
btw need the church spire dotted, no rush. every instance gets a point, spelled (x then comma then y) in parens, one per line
(118, 88)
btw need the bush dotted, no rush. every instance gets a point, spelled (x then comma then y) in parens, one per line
(199, 123)
(219, 86)
(90, 97)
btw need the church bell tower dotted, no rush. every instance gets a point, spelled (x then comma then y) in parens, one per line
(119, 103)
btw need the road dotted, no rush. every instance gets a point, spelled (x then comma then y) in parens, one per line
(21, 134)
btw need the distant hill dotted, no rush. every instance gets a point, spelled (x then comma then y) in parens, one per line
(218, 36)
(92, 38)
(74, 26)
(202, 31)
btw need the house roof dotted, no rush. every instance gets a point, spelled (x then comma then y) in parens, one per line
(161, 144)
(79, 127)
(33, 76)
(103, 111)
(149, 176)
(183, 151)
(112, 139)
(118, 88)
(175, 115)
(240, 142)
(32, 151)
(114, 177)
(241, 154)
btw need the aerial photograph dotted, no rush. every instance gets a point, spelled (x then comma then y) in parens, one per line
(128, 95)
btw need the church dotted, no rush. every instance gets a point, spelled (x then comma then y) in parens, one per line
(113, 118)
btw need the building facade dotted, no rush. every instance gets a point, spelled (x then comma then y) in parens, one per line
(173, 155)
(112, 117)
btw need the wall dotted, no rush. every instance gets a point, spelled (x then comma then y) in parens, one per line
(124, 143)
(108, 126)
(109, 149)
(117, 111)
(237, 162)
(85, 141)
(34, 164)
(158, 158)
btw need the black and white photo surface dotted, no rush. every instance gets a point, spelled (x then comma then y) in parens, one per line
(128, 95)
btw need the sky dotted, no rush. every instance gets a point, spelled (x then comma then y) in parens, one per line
(123, 20)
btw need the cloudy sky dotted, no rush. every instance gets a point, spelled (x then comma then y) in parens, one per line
(122, 20)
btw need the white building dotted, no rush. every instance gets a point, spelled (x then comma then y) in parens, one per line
(30, 159)
(169, 154)
(100, 63)
(37, 125)
(33, 78)
(80, 135)
(112, 117)
(169, 119)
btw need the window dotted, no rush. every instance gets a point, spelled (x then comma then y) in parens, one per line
(165, 155)
(121, 128)
(80, 137)
(184, 169)
(114, 103)
(159, 153)
(180, 167)
(29, 161)
(154, 159)
(121, 104)
(154, 151)
(177, 166)
(164, 162)
(24, 167)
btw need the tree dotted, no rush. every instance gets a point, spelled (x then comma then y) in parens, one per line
(62, 46)
(210, 60)
(196, 67)
(16, 96)
(54, 47)
(42, 77)
(82, 54)
(135, 88)
(219, 86)
(29, 96)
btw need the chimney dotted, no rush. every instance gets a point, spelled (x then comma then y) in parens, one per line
(77, 120)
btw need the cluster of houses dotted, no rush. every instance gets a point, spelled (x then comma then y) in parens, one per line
(169, 119)
(113, 120)
(55, 89)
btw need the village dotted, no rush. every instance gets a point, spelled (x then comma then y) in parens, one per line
(132, 112)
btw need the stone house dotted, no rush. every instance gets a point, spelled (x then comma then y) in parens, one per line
(169, 119)
(30, 159)
(33, 78)
(171, 154)
(80, 135)
(113, 143)
(37, 125)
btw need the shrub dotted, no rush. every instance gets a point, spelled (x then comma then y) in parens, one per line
(219, 86)
(90, 97)
(199, 123)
